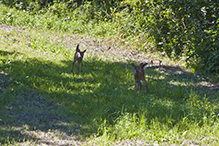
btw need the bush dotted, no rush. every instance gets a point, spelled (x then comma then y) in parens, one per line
(182, 29)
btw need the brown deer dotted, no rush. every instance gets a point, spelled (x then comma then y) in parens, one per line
(79, 58)
(139, 75)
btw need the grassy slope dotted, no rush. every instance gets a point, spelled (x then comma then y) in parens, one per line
(43, 103)
(39, 95)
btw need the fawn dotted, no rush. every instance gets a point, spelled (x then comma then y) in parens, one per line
(139, 75)
(79, 58)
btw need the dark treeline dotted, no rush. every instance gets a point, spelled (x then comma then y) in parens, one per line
(180, 28)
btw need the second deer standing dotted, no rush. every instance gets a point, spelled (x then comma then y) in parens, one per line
(139, 75)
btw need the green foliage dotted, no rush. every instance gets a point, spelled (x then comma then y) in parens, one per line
(182, 29)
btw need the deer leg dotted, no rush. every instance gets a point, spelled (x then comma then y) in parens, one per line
(136, 85)
(81, 66)
(78, 66)
(140, 85)
(146, 84)
(73, 65)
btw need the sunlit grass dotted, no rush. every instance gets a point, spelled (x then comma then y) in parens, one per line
(100, 102)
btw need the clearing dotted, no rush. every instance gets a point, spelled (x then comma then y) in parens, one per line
(34, 62)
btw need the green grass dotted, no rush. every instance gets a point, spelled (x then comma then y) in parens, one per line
(39, 93)
(42, 101)
(45, 19)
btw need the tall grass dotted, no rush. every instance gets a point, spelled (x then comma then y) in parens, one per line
(47, 20)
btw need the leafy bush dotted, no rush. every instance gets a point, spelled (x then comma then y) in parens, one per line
(182, 28)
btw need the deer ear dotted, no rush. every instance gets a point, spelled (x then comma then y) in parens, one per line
(133, 65)
(77, 48)
(84, 51)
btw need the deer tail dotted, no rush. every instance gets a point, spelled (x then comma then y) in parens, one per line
(144, 65)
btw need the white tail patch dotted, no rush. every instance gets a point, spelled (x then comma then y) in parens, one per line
(145, 64)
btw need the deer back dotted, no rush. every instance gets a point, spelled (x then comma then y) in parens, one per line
(79, 54)
(139, 73)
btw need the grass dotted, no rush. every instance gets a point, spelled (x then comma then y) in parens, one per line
(40, 94)
(42, 102)
(47, 20)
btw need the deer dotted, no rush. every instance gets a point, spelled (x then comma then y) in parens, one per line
(79, 58)
(139, 75)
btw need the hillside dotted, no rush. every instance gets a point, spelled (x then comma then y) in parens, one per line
(43, 103)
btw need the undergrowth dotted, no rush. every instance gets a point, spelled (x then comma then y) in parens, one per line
(47, 20)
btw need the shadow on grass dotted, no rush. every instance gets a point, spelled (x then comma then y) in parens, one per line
(44, 95)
